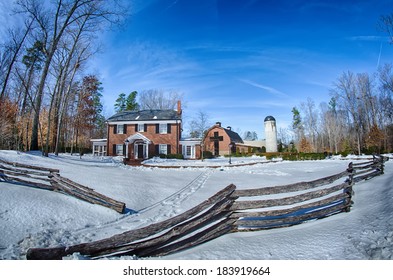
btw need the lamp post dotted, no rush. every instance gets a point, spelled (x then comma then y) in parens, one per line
(230, 153)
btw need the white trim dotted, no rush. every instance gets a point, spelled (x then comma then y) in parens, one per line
(98, 140)
(137, 136)
(190, 142)
(145, 122)
(145, 150)
(162, 146)
(192, 151)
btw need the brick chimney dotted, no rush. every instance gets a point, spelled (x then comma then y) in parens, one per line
(218, 124)
(179, 111)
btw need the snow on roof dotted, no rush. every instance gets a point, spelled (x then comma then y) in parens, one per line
(145, 115)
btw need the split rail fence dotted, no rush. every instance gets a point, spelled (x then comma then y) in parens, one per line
(231, 210)
(50, 179)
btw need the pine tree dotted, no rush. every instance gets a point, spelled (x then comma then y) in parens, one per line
(128, 103)
(120, 103)
(131, 104)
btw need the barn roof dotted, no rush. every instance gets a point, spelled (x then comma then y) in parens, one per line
(233, 136)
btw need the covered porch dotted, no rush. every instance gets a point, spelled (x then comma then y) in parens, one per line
(136, 148)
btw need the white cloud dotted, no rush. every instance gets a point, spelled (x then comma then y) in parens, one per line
(264, 87)
(370, 38)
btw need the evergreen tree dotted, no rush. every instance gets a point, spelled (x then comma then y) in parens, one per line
(126, 103)
(120, 103)
(297, 123)
(131, 104)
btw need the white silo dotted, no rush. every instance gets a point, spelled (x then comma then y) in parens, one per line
(271, 134)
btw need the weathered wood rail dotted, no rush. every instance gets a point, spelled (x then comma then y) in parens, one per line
(35, 176)
(231, 210)
(197, 225)
(50, 179)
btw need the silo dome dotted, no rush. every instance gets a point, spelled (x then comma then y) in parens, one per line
(270, 118)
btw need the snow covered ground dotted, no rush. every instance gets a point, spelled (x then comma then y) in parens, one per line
(37, 218)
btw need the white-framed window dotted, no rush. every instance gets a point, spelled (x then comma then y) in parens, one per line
(120, 129)
(119, 149)
(141, 127)
(163, 149)
(188, 150)
(163, 128)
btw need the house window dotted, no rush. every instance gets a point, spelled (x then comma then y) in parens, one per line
(141, 127)
(119, 150)
(120, 129)
(163, 149)
(163, 128)
(188, 150)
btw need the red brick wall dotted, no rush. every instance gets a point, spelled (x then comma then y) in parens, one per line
(223, 145)
(169, 138)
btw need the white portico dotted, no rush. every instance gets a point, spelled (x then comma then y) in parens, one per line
(137, 146)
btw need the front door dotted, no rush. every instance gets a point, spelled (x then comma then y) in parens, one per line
(140, 151)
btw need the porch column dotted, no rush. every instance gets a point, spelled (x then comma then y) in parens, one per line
(147, 149)
(127, 143)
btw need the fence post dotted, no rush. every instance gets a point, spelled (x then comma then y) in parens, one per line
(382, 161)
(348, 190)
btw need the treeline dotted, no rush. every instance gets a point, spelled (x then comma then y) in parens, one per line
(47, 100)
(357, 119)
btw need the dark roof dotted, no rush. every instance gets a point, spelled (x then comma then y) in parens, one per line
(145, 115)
(233, 136)
(269, 118)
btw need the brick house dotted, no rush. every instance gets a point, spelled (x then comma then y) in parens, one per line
(138, 135)
(220, 141)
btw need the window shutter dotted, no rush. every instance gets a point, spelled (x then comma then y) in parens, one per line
(124, 149)
(168, 151)
(125, 129)
(157, 128)
(169, 128)
(145, 129)
(136, 127)
(115, 129)
(114, 149)
(157, 150)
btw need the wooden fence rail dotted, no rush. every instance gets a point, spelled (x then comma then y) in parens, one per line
(231, 210)
(129, 243)
(50, 179)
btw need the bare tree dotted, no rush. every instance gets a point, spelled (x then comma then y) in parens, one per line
(159, 99)
(345, 92)
(386, 25)
(54, 22)
(12, 51)
(199, 125)
(310, 121)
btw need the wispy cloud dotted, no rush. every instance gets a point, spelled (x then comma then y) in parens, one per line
(369, 38)
(269, 89)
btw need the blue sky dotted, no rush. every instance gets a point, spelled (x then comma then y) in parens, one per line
(241, 60)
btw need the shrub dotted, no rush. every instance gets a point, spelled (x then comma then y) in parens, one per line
(172, 156)
(207, 154)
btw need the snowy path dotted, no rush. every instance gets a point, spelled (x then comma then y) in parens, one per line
(161, 210)
(181, 195)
